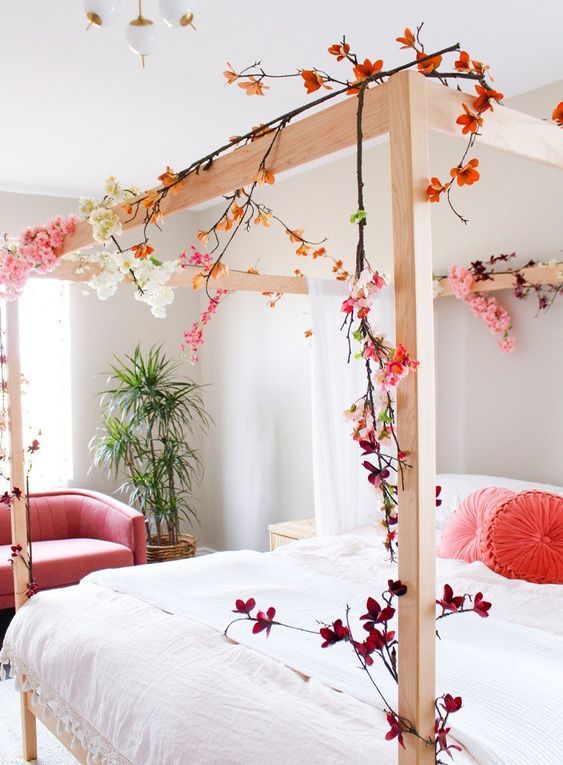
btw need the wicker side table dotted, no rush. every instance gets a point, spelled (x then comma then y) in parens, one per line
(284, 533)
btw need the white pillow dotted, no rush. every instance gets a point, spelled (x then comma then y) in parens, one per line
(457, 486)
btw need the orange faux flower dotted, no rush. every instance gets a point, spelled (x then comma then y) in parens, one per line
(308, 332)
(295, 235)
(142, 251)
(436, 188)
(320, 253)
(263, 218)
(557, 115)
(168, 177)
(303, 249)
(471, 122)
(225, 224)
(466, 175)
(203, 237)
(219, 270)
(230, 75)
(484, 98)
(264, 176)
(150, 199)
(367, 69)
(340, 50)
(313, 80)
(253, 87)
(237, 211)
(408, 40)
(426, 67)
(463, 64)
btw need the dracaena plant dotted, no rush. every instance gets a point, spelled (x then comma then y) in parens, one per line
(152, 417)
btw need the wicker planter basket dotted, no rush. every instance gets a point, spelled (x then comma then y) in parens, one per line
(185, 548)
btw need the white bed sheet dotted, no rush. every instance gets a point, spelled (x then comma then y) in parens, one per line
(141, 657)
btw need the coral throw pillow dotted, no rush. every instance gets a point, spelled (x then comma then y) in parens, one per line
(461, 537)
(523, 538)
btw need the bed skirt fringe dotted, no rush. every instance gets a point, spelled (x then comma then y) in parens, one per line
(100, 751)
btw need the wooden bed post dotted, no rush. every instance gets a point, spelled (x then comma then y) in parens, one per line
(412, 246)
(17, 477)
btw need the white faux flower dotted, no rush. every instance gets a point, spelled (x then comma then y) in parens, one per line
(132, 191)
(105, 283)
(105, 224)
(125, 261)
(112, 188)
(86, 205)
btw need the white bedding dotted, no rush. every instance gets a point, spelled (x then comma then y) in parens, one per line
(139, 654)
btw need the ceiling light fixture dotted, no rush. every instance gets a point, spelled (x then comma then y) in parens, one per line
(141, 32)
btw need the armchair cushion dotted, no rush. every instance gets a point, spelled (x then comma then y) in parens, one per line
(60, 562)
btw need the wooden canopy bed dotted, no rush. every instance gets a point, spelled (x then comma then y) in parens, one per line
(407, 108)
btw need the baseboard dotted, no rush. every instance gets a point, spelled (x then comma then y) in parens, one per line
(205, 551)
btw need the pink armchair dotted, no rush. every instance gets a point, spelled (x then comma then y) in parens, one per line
(74, 532)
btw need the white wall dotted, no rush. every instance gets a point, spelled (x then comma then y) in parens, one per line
(100, 329)
(496, 413)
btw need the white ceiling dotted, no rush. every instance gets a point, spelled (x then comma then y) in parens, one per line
(77, 106)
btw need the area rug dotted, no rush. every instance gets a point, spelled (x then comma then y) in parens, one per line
(50, 750)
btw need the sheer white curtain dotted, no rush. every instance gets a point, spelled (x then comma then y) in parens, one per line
(45, 360)
(343, 497)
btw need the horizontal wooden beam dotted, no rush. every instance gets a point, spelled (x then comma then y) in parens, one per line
(235, 281)
(504, 281)
(291, 285)
(505, 129)
(315, 136)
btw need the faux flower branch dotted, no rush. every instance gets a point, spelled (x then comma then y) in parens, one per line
(17, 552)
(465, 279)
(379, 645)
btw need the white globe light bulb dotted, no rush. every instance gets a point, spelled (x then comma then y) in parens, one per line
(102, 12)
(176, 13)
(141, 36)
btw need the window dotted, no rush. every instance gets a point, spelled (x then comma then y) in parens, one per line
(45, 364)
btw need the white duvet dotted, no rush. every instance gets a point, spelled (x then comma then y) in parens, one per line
(134, 662)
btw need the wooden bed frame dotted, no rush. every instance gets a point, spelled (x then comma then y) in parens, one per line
(406, 108)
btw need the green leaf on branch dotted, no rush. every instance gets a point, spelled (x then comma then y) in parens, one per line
(358, 217)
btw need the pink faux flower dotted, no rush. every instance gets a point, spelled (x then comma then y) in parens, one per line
(461, 280)
(36, 251)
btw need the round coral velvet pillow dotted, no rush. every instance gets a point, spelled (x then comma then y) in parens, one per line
(461, 538)
(523, 538)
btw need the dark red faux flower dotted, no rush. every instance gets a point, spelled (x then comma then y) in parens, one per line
(438, 492)
(395, 729)
(16, 550)
(334, 634)
(32, 589)
(376, 639)
(6, 499)
(33, 447)
(451, 703)
(365, 650)
(376, 476)
(396, 588)
(369, 447)
(264, 621)
(450, 602)
(481, 606)
(244, 607)
(375, 614)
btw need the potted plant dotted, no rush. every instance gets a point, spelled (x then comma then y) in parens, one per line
(150, 415)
